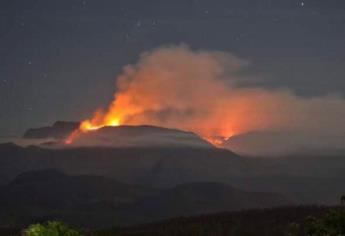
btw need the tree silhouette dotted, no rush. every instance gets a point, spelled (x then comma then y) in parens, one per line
(342, 200)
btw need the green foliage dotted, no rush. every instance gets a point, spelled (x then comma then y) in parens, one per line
(293, 229)
(331, 224)
(52, 228)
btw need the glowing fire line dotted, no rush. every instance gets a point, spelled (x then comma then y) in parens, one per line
(88, 126)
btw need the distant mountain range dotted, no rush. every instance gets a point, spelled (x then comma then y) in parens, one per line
(99, 201)
(60, 129)
(196, 177)
(120, 136)
(154, 166)
(306, 179)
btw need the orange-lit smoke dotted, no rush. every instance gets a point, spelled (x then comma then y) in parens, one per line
(180, 88)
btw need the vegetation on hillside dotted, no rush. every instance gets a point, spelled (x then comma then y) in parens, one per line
(51, 228)
(288, 221)
(331, 224)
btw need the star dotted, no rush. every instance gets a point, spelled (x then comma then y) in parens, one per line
(302, 4)
(138, 23)
(315, 12)
(276, 19)
(239, 37)
(123, 12)
(229, 12)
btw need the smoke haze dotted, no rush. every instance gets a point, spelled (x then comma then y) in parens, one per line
(197, 91)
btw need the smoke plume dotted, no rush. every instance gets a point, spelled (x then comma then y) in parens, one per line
(177, 87)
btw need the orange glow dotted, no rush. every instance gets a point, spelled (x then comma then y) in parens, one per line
(217, 141)
(114, 122)
(198, 91)
(181, 89)
(173, 88)
(91, 125)
(101, 120)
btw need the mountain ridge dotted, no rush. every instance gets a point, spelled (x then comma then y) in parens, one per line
(117, 136)
(51, 194)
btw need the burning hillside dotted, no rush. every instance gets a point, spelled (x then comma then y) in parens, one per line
(198, 91)
(140, 136)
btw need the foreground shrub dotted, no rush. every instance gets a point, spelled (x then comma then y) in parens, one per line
(51, 228)
(331, 224)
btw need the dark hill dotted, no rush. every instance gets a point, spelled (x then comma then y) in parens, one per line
(201, 198)
(53, 189)
(96, 201)
(267, 222)
(140, 136)
(155, 166)
(302, 177)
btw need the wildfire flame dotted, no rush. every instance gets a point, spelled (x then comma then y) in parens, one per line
(161, 90)
(91, 125)
(197, 91)
(88, 126)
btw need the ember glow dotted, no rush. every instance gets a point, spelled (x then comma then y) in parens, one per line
(176, 87)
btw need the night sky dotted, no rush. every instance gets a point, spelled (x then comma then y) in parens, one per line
(59, 59)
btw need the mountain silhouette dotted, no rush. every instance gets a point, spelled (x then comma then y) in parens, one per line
(51, 194)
